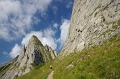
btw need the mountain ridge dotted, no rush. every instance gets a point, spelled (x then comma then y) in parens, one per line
(33, 54)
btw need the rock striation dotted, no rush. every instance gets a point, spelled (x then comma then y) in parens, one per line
(92, 22)
(33, 53)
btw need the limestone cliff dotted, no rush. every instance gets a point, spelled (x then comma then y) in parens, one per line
(33, 53)
(92, 22)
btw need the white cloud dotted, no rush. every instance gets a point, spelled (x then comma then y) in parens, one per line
(15, 51)
(5, 53)
(36, 20)
(54, 9)
(55, 25)
(64, 31)
(16, 16)
(69, 5)
(46, 37)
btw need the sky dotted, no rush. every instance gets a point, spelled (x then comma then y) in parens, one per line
(49, 20)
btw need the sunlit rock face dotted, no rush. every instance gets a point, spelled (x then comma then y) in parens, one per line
(33, 53)
(92, 22)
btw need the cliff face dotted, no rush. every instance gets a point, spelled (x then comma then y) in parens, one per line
(92, 22)
(33, 53)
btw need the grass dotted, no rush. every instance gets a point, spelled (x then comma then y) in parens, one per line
(39, 72)
(119, 22)
(106, 32)
(115, 24)
(98, 62)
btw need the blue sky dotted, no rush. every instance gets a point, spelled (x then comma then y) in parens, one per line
(49, 20)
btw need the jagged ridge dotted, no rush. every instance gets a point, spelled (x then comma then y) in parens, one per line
(33, 53)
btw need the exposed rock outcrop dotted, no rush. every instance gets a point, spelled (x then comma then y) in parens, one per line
(92, 22)
(52, 52)
(33, 53)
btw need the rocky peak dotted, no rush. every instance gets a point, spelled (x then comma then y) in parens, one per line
(33, 53)
(48, 47)
(52, 52)
(35, 41)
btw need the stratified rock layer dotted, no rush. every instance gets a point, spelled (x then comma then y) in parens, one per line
(33, 53)
(92, 22)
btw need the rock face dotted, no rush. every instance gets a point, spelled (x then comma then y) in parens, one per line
(33, 53)
(92, 22)
(53, 53)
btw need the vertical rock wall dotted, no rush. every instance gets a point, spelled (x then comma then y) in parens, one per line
(92, 22)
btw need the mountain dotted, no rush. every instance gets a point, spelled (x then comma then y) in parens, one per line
(33, 54)
(92, 22)
(92, 47)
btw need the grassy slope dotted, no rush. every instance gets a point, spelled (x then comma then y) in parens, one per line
(38, 72)
(98, 62)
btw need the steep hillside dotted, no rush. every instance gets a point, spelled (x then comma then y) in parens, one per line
(97, 62)
(92, 22)
(31, 55)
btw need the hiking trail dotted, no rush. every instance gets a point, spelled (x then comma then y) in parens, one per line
(50, 76)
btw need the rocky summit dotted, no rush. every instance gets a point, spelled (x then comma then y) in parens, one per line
(33, 54)
(92, 22)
